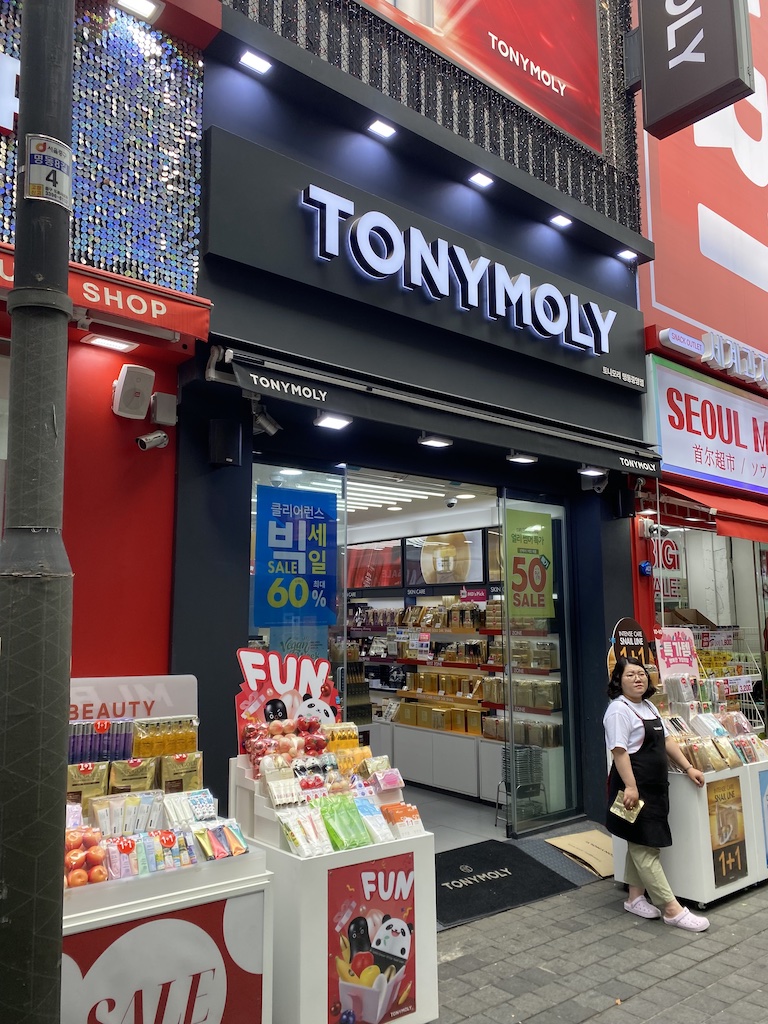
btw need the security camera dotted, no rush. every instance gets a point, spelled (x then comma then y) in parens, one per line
(157, 439)
(658, 531)
(600, 484)
(276, 480)
(451, 502)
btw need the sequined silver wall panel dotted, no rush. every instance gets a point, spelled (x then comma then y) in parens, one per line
(137, 146)
(354, 39)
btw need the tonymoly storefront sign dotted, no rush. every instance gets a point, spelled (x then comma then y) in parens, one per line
(304, 227)
(380, 248)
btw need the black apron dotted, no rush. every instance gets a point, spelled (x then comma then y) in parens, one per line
(649, 763)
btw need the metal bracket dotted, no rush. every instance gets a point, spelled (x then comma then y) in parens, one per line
(633, 61)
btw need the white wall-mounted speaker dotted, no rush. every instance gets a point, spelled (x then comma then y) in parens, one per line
(132, 391)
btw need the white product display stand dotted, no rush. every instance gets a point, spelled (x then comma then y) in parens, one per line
(208, 926)
(301, 898)
(689, 863)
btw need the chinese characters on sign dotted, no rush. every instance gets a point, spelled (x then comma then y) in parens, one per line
(711, 430)
(295, 565)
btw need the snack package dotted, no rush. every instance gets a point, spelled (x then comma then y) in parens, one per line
(374, 821)
(85, 781)
(343, 823)
(135, 775)
(181, 772)
(388, 779)
(727, 751)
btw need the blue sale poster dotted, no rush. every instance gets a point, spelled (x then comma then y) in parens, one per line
(294, 581)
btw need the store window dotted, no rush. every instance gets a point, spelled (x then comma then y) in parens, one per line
(403, 592)
(715, 585)
(533, 622)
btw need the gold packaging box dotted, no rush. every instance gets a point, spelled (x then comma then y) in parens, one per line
(423, 716)
(474, 721)
(407, 713)
(458, 720)
(440, 718)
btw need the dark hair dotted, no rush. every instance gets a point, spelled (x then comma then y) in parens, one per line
(614, 683)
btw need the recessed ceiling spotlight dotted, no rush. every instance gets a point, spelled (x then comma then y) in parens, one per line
(560, 221)
(586, 470)
(383, 130)
(148, 10)
(627, 255)
(256, 63)
(481, 180)
(522, 458)
(435, 441)
(332, 420)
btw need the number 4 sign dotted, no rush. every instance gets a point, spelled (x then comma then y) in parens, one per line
(48, 171)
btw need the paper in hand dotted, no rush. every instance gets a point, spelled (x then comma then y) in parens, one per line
(618, 808)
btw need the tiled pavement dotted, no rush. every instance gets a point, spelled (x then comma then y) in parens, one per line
(580, 957)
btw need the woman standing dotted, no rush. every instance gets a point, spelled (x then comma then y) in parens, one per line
(640, 744)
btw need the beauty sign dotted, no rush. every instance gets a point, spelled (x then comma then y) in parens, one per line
(371, 941)
(281, 687)
(295, 559)
(529, 564)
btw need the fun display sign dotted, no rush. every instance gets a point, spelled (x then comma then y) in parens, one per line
(371, 941)
(280, 688)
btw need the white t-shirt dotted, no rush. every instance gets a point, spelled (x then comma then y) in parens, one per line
(623, 727)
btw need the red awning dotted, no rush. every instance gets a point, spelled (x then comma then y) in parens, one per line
(735, 517)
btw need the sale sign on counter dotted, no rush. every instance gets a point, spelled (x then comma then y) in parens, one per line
(529, 564)
(371, 941)
(203, 963)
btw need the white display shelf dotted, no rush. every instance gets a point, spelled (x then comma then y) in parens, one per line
(301, 953)
(689, 863)
(89, 906)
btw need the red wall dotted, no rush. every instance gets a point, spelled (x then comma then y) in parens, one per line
(118, 520)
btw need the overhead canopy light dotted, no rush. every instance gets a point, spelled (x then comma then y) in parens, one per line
(256, 63)
(522, 458)
(332, 420)
(627, 255)
(383, 130)
(147, 10)
(111, 343)
(481, 180)
(435, 441)
(560, 221)
(586, 470)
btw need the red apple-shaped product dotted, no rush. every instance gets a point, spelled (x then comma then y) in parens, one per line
(98, 873)
(74, 859)
(314, 725)
(302, 724)
(360, 961)
(95, 855)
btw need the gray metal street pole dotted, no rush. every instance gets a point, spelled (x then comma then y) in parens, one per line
(35, 576)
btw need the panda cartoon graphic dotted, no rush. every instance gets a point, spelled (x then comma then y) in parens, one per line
(391, 944)
(312, 708)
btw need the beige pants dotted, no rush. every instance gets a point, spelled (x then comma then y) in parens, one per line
(643, 870)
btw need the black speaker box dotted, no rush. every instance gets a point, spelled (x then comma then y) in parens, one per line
(225, 443)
